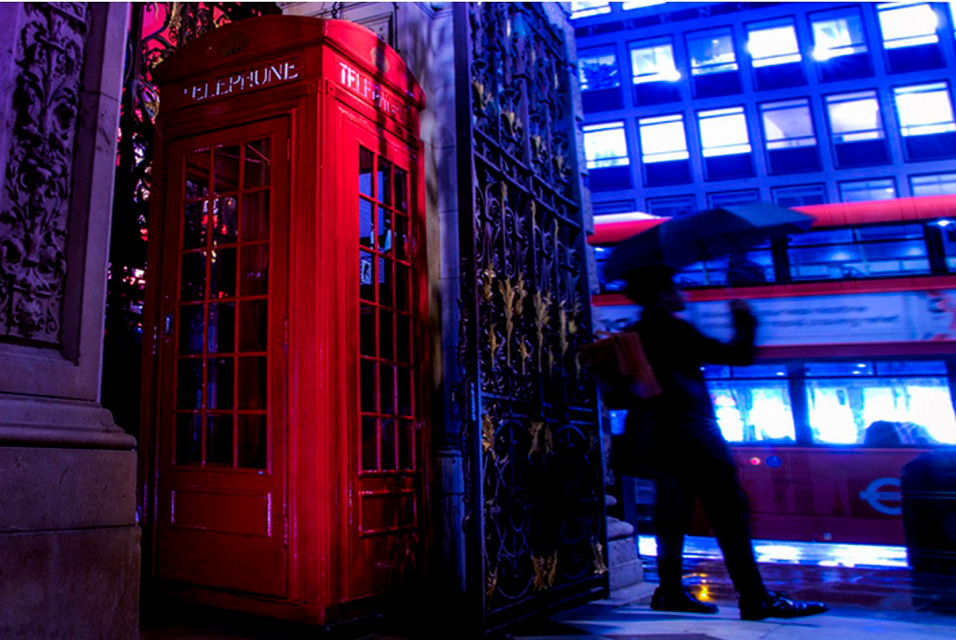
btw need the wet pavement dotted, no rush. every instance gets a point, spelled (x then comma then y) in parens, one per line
(872, 593)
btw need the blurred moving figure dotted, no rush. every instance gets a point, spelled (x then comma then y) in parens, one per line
(674, 439)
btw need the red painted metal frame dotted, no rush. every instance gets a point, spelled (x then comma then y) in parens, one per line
(320, 440)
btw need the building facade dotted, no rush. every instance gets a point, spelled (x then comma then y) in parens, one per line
(694, 105)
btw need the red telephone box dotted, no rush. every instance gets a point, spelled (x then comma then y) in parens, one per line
(286, 433)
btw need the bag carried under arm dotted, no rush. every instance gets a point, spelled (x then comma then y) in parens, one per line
(621, 368)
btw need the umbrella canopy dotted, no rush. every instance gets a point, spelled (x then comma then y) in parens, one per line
(705, 235)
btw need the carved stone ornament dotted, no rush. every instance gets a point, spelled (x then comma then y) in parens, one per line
(36, 192)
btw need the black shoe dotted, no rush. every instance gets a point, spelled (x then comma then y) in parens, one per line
(682, 601)
(778, 605)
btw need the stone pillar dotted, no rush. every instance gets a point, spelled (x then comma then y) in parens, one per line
(69, 541)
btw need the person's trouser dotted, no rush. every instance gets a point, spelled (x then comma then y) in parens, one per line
(705, 469)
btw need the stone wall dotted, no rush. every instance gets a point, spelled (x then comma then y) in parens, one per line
(69, 541)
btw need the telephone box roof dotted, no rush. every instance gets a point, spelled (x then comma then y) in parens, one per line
(254, 40)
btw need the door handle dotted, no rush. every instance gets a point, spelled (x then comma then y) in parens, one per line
(167, 324)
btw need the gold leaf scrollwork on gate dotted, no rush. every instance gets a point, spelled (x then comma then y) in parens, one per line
(512, 123)
(491, 583)
(541, 439)
(487, 276)
(537, 146)
(488, 436)
(525, 350)
(561, 165)
(514, 296)
(479, 95)
(600, 568)
(545, 570)
(563, 328)
(542, 318)
(493, 344)
(569, 329)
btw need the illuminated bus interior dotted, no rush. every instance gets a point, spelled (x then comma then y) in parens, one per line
(870, 403)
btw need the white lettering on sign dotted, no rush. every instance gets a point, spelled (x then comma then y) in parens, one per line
(860, 318)
(911, 316)
(884, 490)
(370, 91)
(271, 73)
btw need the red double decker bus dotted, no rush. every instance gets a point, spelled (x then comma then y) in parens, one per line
(856, 360)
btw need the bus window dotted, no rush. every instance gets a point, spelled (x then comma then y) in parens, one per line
(751, 268)
(861, 402)
(858, 252)
(752, 403)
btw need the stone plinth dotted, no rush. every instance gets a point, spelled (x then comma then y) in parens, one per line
(624, 564)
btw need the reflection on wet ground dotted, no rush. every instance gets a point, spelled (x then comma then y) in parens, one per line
(873, 595)
(872, 578)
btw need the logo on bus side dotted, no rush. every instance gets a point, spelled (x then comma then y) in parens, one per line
(884, 490)
(271, 73)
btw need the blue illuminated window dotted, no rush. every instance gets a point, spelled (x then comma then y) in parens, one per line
(605, 145)
(924, 109)
(663, 139)
(707, 273)
(866, 190)
(713, 63)
(854, 117)
(611, 207)
(925, 115)
(883, 404)
(728, 198)
(837, 34)
(800, 195)
(907, 24)
(752, 403)
(938, 184)
(712, 52)
(597, 69)
(789, 137)
(640, 4)
(585, 9)
(947, 232)
(671, 206)
(601, 255)
(723, 132)
(653, 62)
(861, 252)
(788, 124)
(772, 44)
(725, 143)
(664, 150)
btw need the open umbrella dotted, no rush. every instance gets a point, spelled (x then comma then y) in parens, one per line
(705, 235)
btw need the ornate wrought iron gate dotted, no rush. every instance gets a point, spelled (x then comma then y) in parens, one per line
(533, 465)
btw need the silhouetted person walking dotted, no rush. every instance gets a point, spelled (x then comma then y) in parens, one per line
(676, 439)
